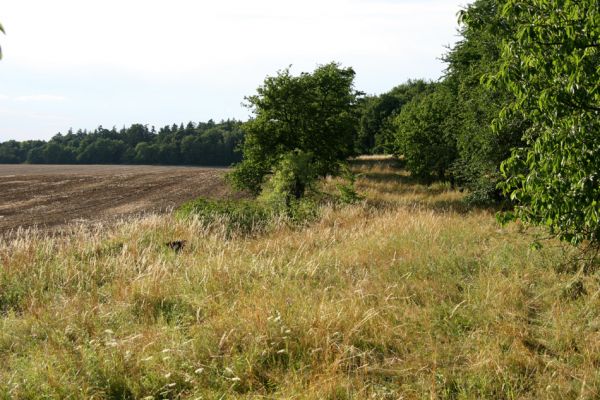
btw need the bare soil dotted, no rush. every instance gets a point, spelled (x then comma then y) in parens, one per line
(50, 196)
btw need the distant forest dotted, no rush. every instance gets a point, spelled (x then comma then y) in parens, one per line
(204, 143)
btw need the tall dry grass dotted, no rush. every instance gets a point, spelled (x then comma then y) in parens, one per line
(406, 295)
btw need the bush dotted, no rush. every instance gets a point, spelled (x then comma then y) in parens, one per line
(285, 190)
(245, 216)
(293, 175)
(348, 193)
(248, 216)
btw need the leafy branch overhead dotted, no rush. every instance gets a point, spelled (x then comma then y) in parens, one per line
(1, 30)
(551, 66)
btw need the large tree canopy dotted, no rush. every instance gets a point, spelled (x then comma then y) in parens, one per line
(480, 148)
(314, 113)
(448, 134)
(376, 131)
(551, 65)
(425, 133)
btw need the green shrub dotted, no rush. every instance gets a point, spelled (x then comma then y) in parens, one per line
(303, 211)
(244, 216)
(292, 177)
(282, 198)
(348, 193)
(289, 190)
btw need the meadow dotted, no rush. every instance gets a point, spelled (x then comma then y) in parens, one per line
(408, 294)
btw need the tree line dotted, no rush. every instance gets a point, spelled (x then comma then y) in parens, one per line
(444, 130)
(204, 143)
(517, 115)
(515, 118)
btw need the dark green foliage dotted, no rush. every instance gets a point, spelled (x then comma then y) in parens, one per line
(101, 151)
(54, 153)
(146, 153)
(376, 131)
(550, 65)
(480, 149)
(36, 155)
(244, 216)
(10, 152)
(315, 113)
(446, 132)
(202, 144)
(348, 193)
(425, 134)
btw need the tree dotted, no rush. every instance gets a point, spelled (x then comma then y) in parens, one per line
(146, 153)
(54, 153)
(135, 134)
(313, 113)
(550, 64)
(35, 155)
(9, 152)
(425, 134)
(102, 151)
(376, 130)
(480, 148)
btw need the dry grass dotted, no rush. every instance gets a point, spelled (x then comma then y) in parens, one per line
(408, 295)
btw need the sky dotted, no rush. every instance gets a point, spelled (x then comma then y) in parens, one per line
(81, 64)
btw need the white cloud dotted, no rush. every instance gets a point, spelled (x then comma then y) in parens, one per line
(40, 97)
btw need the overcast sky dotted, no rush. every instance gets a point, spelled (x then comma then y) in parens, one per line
(80, 64)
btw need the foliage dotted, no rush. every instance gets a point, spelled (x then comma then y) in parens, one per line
(292, 176)
(425, 134)
(284, 190)
(480, 149)
(446, 131)
(550, 64)
(282, 198)
(313, 113)
(376, 128)
(245, 216)
(1, 30)
(347, 190)
(205, 143)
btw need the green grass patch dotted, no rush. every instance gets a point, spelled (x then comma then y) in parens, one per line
(246, 216)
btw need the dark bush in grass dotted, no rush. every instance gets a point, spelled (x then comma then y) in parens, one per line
(250, 216)
(244, 216)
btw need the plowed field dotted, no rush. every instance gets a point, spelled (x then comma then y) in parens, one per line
(49, 196)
